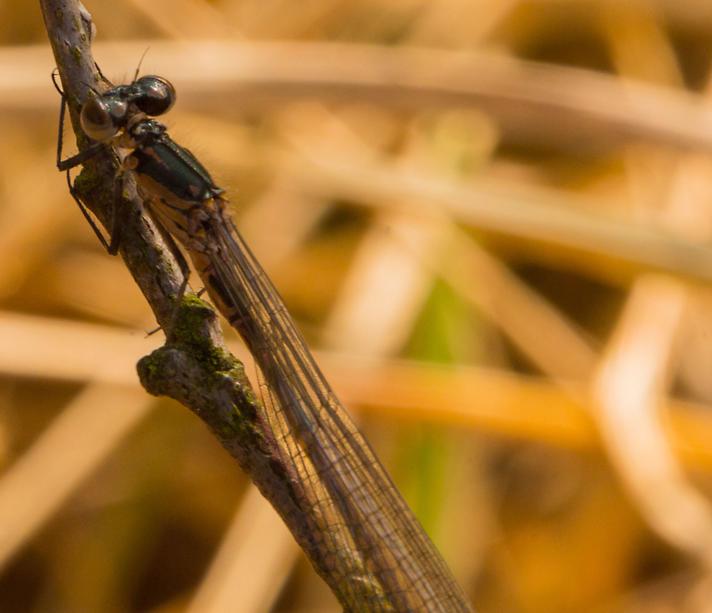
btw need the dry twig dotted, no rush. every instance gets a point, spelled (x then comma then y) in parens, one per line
(193, 366)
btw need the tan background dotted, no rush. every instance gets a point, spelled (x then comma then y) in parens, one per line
(492, 220)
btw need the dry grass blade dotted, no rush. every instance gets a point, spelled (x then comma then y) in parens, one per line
(254, 560)
(474, 398)
(632, 375)
(72, 447)
(575, 106)
(184, 18)
(385, 288)
(524, 216)
(522, 315)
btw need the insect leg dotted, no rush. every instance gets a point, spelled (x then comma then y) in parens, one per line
(80, 157)
(85, 211)
(112, 246)
(174, 249)
(184, 269)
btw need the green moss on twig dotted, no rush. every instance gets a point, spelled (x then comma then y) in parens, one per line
(210, 363)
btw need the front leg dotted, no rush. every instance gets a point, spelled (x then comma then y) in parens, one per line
(177, 253)
(66, 165)
(112, 245)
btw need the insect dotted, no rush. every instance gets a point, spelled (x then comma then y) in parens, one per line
(361, 511)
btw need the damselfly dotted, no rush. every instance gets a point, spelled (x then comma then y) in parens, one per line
(359, 509)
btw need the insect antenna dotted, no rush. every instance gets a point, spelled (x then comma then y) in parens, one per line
(143, 55)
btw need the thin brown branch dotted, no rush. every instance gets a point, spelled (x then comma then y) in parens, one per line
(193, 367)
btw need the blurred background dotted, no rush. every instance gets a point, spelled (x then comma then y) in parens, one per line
(491, 219)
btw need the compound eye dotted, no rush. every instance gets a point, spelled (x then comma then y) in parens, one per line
(101, 117)
(157, 95)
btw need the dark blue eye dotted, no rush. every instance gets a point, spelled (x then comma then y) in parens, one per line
(103, 116)
(156, 95)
